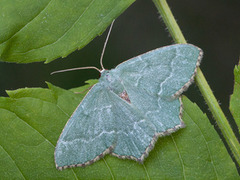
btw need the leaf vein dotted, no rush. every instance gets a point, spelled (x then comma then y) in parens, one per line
(64, 34)
(180, 157)
(146, 171)
(26, 23)
(108, 168)
(13, 161)
(206, 145)
(80, 41)
(34, 130)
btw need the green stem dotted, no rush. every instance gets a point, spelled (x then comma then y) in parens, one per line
(170, 22)
(206, 91)
(218, 115)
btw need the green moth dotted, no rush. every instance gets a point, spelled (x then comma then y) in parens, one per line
(129, 108)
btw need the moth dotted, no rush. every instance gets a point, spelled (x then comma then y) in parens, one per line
(129, 108)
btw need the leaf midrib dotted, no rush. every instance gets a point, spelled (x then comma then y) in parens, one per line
(209, 152)
(13, 161)
(108, 167)
(180, 156)
(38, 133)
(86, 36)
(26, 23)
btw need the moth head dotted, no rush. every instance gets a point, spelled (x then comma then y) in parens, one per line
(104, 76)
(104, 73)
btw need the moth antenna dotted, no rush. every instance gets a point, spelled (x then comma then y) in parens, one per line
(91, 67)
(74, 69)
(105, 44)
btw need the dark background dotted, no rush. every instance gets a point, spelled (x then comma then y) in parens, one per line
(212, 25)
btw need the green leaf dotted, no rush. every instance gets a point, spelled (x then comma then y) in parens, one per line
(32, 119)
(44, 30)
(235, 97)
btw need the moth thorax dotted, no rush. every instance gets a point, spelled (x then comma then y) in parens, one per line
(124, 96)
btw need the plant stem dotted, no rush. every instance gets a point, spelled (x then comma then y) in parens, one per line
(218, 115)
(170, 22)
(206, 91)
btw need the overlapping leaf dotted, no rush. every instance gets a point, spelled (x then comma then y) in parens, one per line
(235, 97)
(44, 30)
(31, 121)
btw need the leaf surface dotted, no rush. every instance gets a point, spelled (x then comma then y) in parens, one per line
(32, 119)
(44, 30)
(235, 97)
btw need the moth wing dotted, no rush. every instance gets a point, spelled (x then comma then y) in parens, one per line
(153, 81)
(165, 71)
(89, 133)
(102, 122)
(134, 133)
